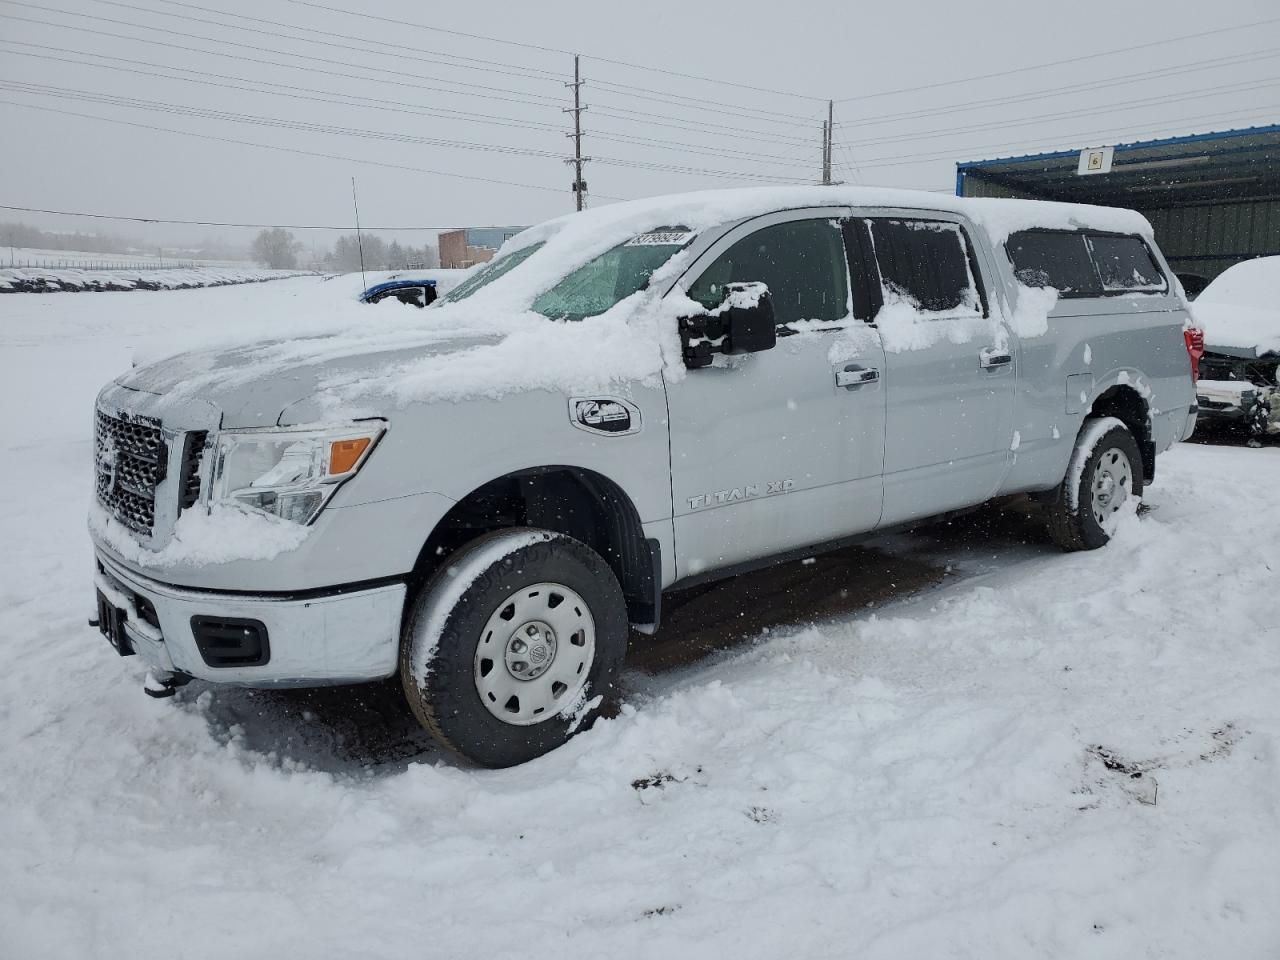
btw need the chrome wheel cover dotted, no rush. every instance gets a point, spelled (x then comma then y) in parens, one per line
(535, 653)
(1111, 487)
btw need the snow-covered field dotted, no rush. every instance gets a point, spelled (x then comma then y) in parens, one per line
(75, 280)
(985, 748)
(76, 258)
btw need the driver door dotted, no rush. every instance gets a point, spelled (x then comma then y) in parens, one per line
(782, 448)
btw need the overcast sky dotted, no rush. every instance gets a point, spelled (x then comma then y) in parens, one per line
(401, 81)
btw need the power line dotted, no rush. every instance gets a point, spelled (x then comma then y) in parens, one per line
(293, 150)
(219, 223)
(548, 100)
(271, 63)
(622, 88)
(1198, 35)
(545, 49)
(1193, 66)
(697, 126)
(256, 120)
(1120, 106)
(1090, 135)
(619, 113)
(765, 136)
(393, 106)
(445, 113)
(712, 106)
(725, 152)
(396, 106)
(138, 103)
(463, 62)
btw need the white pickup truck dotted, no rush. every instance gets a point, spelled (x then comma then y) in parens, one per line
(624, 402)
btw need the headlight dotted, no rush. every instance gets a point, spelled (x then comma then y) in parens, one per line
(289, 473)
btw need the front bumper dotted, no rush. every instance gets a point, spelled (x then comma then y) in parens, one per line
(1259, 410)
(315, 639)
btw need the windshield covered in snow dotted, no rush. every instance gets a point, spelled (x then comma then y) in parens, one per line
(491, 272)
(611, 277)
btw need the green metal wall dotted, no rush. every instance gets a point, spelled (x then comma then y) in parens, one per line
(1205, 239)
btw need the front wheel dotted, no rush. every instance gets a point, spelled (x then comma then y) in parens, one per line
(514, 645)
(1103, 475)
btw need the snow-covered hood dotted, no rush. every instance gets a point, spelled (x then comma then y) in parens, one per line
(1238, 330)
(255, 385)
(1240, 310)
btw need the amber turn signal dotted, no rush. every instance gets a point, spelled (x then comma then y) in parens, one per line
(345, 454)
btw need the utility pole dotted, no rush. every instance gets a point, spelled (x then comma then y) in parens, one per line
(359, 237)
(826, 144)
(579, 185)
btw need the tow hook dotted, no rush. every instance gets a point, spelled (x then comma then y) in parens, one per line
(165, 685)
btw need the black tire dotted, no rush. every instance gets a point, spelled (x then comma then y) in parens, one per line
(1077, 528)
(438, 651)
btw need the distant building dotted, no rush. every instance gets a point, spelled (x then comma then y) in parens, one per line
(472, 245)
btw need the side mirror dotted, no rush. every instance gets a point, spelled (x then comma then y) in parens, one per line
(742, 324)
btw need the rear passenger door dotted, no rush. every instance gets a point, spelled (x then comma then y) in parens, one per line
(949, 366)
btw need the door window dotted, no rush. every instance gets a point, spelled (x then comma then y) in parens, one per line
(802, 262)
(1058, 259)
(1125, 263)
(928, 264)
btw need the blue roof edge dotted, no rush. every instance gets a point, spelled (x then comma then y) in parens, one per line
(1135, 145)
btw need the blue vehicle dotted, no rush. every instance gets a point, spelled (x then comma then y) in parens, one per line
(418, 293)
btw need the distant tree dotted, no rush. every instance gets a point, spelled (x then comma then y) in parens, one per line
(426, 255)
(396, 257)
(346, 253)
(277, 248)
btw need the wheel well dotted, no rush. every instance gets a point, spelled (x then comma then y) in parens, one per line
(1127, 405)
(578, 503)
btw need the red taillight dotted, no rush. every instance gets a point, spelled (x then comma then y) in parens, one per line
(1195, 349)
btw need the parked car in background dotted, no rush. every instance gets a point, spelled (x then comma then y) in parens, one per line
(1240, 314)
(417, 293)
(419, 288)
(626, 401)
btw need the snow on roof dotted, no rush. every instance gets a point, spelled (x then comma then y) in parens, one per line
(575, 238)
(706, 208)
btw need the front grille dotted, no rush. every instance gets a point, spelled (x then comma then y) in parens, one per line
(129, 459)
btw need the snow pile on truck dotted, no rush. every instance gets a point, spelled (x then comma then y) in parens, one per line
(496, 342)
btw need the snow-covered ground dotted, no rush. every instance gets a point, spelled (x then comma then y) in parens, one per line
(985, 748)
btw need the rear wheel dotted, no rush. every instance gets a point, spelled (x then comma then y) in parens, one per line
(515, 646)
(1104, 474)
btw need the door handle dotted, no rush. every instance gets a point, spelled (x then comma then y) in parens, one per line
(993, 359)
(853, 376)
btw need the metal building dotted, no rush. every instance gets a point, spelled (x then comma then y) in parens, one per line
(1213, 198)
